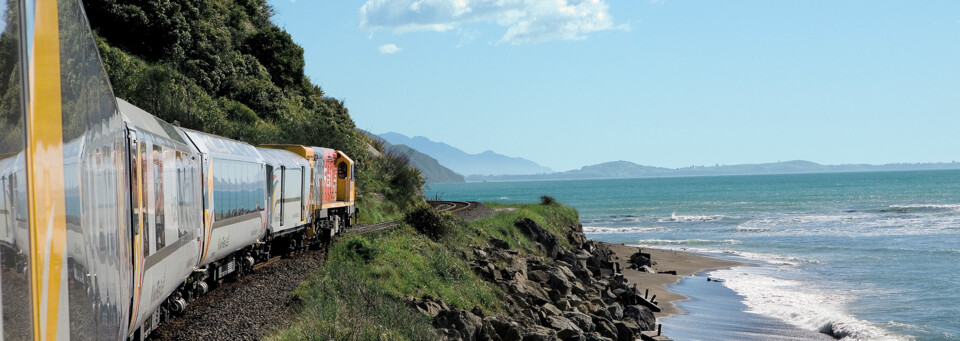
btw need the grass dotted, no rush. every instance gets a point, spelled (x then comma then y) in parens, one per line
(374, 208)
(358, 294)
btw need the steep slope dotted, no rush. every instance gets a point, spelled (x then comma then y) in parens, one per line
(485, 163)
(431, 170)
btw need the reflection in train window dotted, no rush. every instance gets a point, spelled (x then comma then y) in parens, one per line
(159, 213)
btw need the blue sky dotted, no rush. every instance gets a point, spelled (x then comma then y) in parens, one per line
(661, 83)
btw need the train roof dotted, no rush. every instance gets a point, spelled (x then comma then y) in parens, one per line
(144, 121)
(280, 157)
(222, 147)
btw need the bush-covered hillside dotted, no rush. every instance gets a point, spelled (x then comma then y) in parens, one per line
(223, 67)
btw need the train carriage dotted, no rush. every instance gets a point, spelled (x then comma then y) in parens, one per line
(164, 197)
(288, 181)
(234, 203)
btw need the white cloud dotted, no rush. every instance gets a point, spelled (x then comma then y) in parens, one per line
(526, 21)
(389, 49)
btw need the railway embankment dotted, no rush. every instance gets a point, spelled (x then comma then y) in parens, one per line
(514, 272)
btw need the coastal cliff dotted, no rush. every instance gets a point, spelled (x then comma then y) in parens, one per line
(517, 272)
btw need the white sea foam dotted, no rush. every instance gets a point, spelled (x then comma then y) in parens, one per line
(690, 218)
(798, 304)
(692, 242)
(954, 207)
(742, 228)
(628, 229)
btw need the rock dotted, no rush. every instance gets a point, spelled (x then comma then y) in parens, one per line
(465, 323)
(479, 254)
(641, 259)
(427, 305)
(551, 309)
(504, 329)
(583, 321)
(540, 336)
(538, 276)
(477, 311)
(595, 337)
(604, 327)
(499, 243)
(528, 290)
(536, 233)
(616, 311)
(561, 323)
(643, 316)
(564, 305)
(570, 335)
(559, 283)
(577, 289)
(624, 331)
(488, 272)
(576, 237)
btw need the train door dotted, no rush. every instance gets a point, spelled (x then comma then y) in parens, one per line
(137, 207)
(283, 194)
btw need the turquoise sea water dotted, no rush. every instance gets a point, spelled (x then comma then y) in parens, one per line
(863, 255)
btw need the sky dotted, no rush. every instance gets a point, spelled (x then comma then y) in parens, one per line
(667, 83)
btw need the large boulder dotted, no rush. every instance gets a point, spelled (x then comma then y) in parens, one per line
(559, 282)
(641, 259)
(576, 236)
(464, 323)
(570, 335)
(643, 316)
(501, 329)
(583, 321)
(616, 311)
(604, 327)
(626, 331)
(561, 323)
(538, 276)
(537, 233)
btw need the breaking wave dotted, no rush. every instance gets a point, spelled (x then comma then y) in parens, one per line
(629, 229)
(792, 302)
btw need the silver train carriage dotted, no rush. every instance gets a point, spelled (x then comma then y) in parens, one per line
(234, 205)
(288, 183)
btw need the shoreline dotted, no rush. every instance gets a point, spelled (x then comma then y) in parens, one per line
(685, 263)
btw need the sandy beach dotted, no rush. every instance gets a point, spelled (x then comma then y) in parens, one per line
(684, 263)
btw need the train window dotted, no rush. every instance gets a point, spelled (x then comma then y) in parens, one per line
(160, 212)
(342, 170)
(145, 196)
(135, 188)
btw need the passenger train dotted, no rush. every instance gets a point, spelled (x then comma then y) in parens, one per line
(112, 220)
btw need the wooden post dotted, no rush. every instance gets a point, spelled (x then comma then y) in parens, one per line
(659, 329)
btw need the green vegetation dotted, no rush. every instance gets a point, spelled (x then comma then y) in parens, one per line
(222, 67)
(359, 294)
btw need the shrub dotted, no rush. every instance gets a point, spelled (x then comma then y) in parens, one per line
(360, 247)
(427, 221)
(547, 200)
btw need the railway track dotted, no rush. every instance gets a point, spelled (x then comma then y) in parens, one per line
(440, 206)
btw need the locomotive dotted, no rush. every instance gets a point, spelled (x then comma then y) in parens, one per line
(112, 220)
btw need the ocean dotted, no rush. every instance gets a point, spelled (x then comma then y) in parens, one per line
(864, 256)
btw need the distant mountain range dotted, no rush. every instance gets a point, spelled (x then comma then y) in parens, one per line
(625, 169)
(486, 163)
(431, 170)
